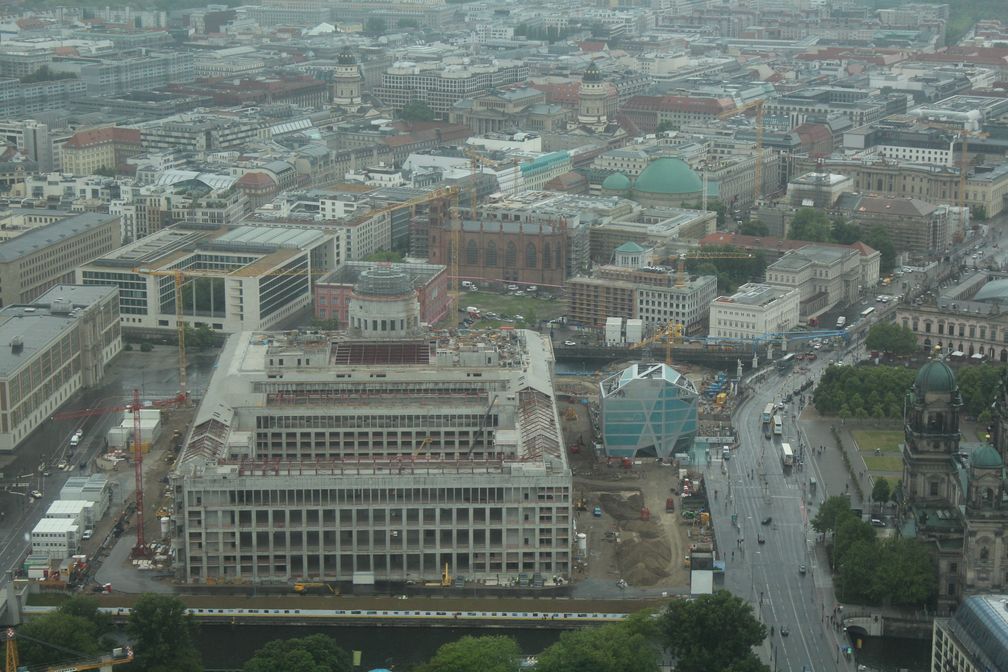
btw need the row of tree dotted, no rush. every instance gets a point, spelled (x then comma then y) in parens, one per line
(878, 391)
(895, 571)
(863, 391)
(814, 225)
(891, 338)
(713, 632)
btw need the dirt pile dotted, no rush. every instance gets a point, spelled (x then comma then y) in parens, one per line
(622, 506)
(644, 555)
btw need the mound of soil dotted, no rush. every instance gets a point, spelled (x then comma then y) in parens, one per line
(622, 506)
(643, 561)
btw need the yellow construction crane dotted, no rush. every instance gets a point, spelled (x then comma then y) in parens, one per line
(700, 254)
(672, 333)
(120, 656)
(757, 106)
(421, 448)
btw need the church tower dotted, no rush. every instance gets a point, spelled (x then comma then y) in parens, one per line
(932, 493)
(592, 99)
(347, 81)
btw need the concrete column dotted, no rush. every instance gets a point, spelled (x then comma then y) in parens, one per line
(11, 603)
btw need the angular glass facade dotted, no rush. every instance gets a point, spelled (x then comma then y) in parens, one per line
(648, 410)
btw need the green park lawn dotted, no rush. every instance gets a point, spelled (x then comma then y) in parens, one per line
(890, 461)
(530, 307)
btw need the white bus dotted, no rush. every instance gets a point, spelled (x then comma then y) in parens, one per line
(768, 414)
(787, 456)
(778, 425)
(867, 311)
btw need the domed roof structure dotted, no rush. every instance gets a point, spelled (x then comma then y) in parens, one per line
(986, 457)
(935, 376)
(995, 291)
(346, 58)
(616, 182)
(668, 176)
(591, 73)
(383, 282)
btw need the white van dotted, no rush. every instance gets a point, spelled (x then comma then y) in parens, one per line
(466, 284)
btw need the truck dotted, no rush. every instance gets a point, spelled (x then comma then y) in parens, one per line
(841, 322)
(314, 588)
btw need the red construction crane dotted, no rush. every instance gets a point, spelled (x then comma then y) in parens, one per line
(140, 550)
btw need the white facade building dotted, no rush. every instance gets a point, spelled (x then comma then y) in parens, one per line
(57, 538)
(754, 311)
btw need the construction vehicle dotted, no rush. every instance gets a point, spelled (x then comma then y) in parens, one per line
(119, 656)
(421, 448)
(581, 504)
(570, 413)
(446, 579)
(670, 505)
(315, 588)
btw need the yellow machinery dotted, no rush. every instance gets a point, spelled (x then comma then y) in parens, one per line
(119, 657)
(308, 587)
(421, 448)
(671, 332)
(445, 577)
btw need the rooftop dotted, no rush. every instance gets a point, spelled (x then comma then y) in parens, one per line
(755, 294)
(42, 237)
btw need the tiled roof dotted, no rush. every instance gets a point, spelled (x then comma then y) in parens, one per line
(98, 136)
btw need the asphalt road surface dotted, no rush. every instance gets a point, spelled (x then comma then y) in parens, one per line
(154, 373)
(753, 486)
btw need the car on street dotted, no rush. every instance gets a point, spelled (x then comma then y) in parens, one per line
(87, 534)
(62, 464)
(760, 539)
(784, 632)
(767, 520)
(802, 569)
(597, 512)
(36, 494)
(570, 344)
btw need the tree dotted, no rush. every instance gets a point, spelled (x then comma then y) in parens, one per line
(408, 23)
(44, 74)
(375, 26)
(978, 385)
(417, 110)
(315, 653)
(880, 491)
(492, 653)
(163, 635)
(754, 228)
(809, 224)
(892, 338)
(905, 573)
(830, 513)
(842, 231)
(878, 237)
(856, 571)
(65, 630)
(712, 632)
(616, 647)
(664, 126)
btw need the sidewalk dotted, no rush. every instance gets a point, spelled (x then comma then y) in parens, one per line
(829, 467)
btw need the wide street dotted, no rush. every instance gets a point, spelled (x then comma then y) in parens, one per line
(752, 487)
(154, 373)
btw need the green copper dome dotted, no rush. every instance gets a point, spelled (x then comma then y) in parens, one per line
(670, 177)
(616, 182)
(986, 457)
(935, 376)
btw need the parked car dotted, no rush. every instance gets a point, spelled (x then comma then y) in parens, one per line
(767, 520)
(570, 344)
(597, 512)
(36, 494)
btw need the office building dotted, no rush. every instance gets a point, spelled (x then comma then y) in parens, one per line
(859, 106)
(635, 290)
(99, 149)
(328, 457)
(53, 347)
(754, 311)
(647, 410)
(825, 276)
(48, 255)
(128, 73)
(442, 84)
(915, 226)
(239, 279)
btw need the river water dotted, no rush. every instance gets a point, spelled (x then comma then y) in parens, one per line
(227, 647)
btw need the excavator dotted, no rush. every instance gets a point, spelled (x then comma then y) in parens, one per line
(315, 588)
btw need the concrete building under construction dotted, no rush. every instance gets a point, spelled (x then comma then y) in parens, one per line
(375, 455)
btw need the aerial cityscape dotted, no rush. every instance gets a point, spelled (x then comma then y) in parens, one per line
(493, 336)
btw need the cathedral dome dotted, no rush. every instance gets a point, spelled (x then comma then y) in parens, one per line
(616, 182)
(986, 457)
(669, 177)
(936, 377)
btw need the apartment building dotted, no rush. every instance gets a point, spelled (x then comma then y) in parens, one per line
(754, 311)
(243, 278)
(19, 100)
(333, 458)
(53, 347)
(87, 152)
(48, 255)
(197, 133)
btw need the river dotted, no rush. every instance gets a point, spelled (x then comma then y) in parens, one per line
(227, 647)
